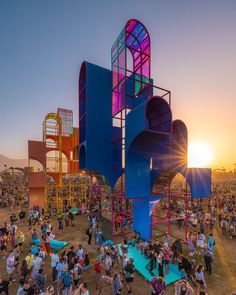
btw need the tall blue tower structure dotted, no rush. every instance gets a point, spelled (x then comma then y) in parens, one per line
(126, 127)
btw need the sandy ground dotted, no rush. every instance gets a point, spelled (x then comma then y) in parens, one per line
(221, 282)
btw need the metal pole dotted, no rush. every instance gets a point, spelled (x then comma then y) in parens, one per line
(112, 218)
(186, 208)
(169, 213)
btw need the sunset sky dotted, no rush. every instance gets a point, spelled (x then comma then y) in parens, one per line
(43, 43)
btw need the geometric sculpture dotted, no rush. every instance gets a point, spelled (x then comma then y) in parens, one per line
(126, 127)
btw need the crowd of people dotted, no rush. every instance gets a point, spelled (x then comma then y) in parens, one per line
(66, 267)
(113, 270)
(14, 191)
(223, 202)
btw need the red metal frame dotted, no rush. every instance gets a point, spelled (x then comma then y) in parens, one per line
(169, 219)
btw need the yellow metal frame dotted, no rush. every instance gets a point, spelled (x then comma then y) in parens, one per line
(55, 130)
(67, 192)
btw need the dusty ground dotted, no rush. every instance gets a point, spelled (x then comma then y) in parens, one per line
(221, 282)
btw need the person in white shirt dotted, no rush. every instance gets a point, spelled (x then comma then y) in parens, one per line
(51, 236)
(37, 265)
(108, 264)
(49, 227)
(54, 261)
(201, 242)
(80, 253)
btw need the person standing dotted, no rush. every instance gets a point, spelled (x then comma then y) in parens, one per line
(28, 290)
(117, 284)
(48, 227)
(60, 268)
(21, 240)
(211, 242)
(89, 233)
(24, 269)
(129, 274)
(60, 223)
(34, 235)
(37, 265)
(71, 257)
(98, 267)
(22, 217)
(12, 231)
(152, 262)
(47, 242)
(80, 254)
(223, 225)
(182, 287)
(208, 254)
(66, 281)
(199, 274)
(16, 253)
(29, 261)
(4, 285)
(160, 261)
(191, 246)
(76, 273)
(158, 286)
(54, 261)
(167, 239)
(108, 264)
(20, 290)
(167, 257)
(10, 265)
(40, 281)
(35, 216)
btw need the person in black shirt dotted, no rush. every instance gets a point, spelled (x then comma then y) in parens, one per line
(71, 218)
(152, 262)
(185, 265)
(4, 229)
(177, 248)
(22, 217)
(70, 256)
(4, 285)
(28, 289)
(89, 233)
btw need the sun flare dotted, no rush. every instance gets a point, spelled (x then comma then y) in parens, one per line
(199, 155)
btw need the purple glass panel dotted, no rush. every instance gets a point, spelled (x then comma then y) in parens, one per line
(130, 25)
(138, 42)
(136, 38)
(146, 70)
(114, 102)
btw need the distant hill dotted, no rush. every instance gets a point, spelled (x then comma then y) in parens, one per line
(20, 163)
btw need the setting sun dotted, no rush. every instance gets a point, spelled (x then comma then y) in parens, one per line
(199, 155)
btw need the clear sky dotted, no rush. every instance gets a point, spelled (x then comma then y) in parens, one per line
(42, 45)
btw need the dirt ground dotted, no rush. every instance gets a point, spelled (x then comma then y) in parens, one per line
(221, 282)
